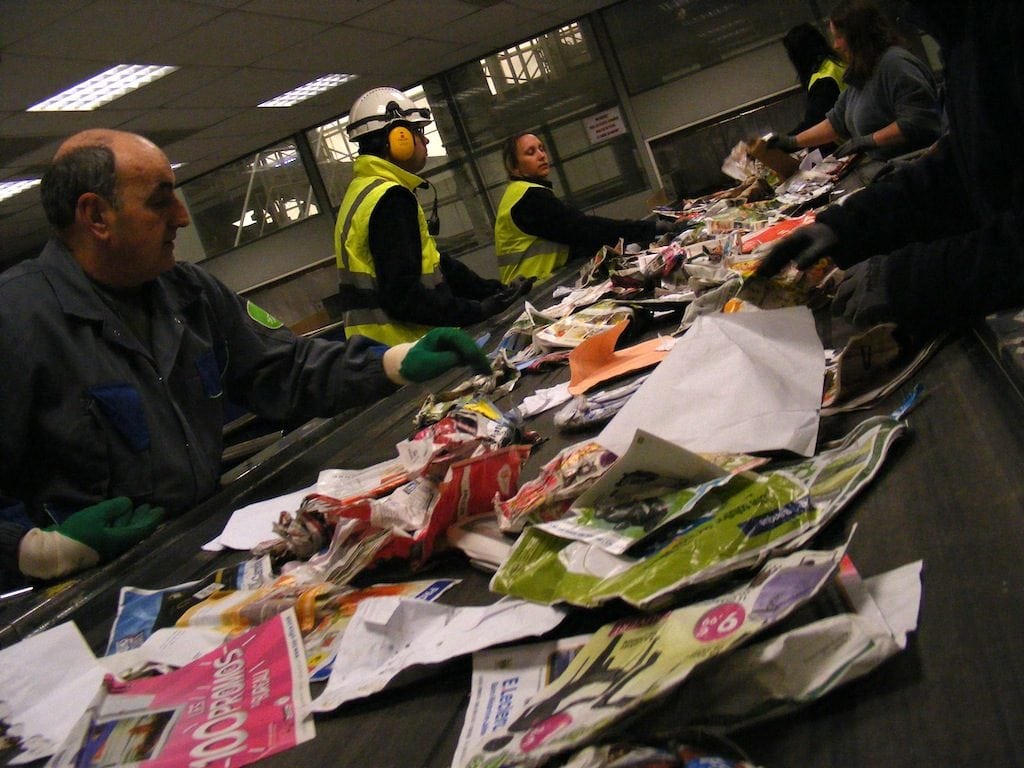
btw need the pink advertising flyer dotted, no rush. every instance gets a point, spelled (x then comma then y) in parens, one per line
(245, 700)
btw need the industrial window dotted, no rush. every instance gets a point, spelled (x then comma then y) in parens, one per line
(557, 86)
(535, 59)
(658, 41)
(249, 198)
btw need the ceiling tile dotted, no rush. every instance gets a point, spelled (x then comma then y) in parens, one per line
(234, 38)
(129, 31)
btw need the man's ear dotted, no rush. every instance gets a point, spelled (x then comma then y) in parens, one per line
(92, 212)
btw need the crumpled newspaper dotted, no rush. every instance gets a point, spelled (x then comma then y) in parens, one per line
(500, 381)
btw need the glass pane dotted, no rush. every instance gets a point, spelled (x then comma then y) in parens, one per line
(555, 86)
(545, 79)
(249, 198)
(693, 34)
(689, 160)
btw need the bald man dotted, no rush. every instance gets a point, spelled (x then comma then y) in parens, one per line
(118, 359)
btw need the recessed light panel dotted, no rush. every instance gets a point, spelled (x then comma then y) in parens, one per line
(9, 189)
(307, 91)
(102, 88)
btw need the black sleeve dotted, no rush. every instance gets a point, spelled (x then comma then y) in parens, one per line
(540, 213)
(941, 263)
(820, 98)
(397, 255)
(14, 524)
(923, 201)
(464, 282)
(275, 373)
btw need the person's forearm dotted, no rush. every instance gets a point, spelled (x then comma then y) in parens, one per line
(889, 135)
(542, 214)
(815, 136)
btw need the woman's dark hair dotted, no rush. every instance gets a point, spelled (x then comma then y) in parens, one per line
(807, 48)
(868, 34)
(68, 177)
(508, 151)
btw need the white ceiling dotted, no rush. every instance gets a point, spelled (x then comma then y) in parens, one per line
(232, 54)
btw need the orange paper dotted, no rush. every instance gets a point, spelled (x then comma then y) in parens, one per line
(596, 359)
(775, 231)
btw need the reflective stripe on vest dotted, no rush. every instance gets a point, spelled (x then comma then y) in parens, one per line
(521, 254)
(833, 69)
(374, 177)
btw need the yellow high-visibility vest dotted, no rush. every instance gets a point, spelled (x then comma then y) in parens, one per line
(373, 177)
(520, 254)
(830, 68)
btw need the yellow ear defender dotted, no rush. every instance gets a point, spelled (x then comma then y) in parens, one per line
(401, 144)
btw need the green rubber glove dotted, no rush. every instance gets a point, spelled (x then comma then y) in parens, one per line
(112, 526)
(440, 350)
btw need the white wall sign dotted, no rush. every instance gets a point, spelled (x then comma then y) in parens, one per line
(604, 125)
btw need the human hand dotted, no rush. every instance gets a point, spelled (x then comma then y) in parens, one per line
(862, 298)
(91, 535)
(855, 145)
(782, 141)
(522, 285)
(440, 350)
(501, 300)
(664, 226)
(805, 246)
(112, 526)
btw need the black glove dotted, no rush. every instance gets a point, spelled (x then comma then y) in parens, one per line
(855, 145)
(670, 227)
(783, 141)
(805, 246)
(522, 285)
(494, 304)
(862, 298)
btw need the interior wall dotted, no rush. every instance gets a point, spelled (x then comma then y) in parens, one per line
(745, 79)
(293, 248)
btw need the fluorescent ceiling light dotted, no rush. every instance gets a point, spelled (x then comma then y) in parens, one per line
(11, 188)
(307, 91)
(102, 88)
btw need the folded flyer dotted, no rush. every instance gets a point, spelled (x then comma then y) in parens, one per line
(631, 663)
(243, 701)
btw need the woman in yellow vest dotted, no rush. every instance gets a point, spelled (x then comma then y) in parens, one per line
(820, 71)
(393, 282)
(535, 233)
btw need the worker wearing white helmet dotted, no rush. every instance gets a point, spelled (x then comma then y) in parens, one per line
(392, 281)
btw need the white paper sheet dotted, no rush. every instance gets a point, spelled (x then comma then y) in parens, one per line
(545, 399)
(736, 383)
(389, 634)
(254, 523)
(46, 682)
(171, 646)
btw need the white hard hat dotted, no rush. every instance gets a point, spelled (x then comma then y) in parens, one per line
(378, 108)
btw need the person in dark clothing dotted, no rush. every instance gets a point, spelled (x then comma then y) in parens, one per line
(820, 70)
(939, 240)
(121, 360)
(822, 74)
(392, 280)
(890, 106)
(535, 233)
